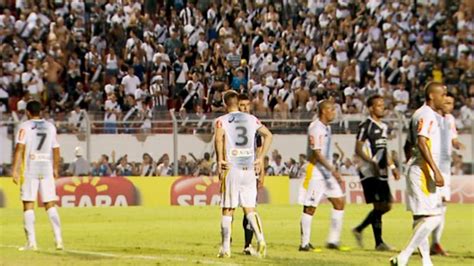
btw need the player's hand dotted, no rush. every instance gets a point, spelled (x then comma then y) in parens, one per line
(221, 167)
(396, 174)
(438, 178)
(337, 175)
(258, 165)
(56, 174)
(260, 181)
(16, 178)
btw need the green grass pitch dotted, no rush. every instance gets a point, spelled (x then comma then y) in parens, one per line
(191, 235)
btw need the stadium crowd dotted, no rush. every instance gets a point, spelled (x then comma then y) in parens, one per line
(130, 60)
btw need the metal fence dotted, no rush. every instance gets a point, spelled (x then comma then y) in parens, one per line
(180, 125)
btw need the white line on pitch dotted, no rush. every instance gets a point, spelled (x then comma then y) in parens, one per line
(123, 256)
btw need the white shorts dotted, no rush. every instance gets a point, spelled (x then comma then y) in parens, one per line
(45, 186)
(445, 191)
(313, 191)
(423, 197)
(239, 188)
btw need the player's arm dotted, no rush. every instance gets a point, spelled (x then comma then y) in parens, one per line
(408, 149)
(219, 147)
(17, 161)
(340, 151)
(56, 162)
(319, 158)
(56, 154)
(391, 165)
(267, 142)
(425, 152)
(455, 142)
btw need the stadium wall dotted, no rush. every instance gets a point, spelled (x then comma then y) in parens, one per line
(158, 144)
(194, 191)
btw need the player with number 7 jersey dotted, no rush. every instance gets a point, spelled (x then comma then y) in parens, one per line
(35, 166)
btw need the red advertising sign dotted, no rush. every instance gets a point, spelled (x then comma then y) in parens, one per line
(95, 191)
(202, 190)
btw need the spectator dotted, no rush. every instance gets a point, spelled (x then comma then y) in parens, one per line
(401, 99)
(278, 166)
(123, 167)
(102, 167)
(112, 112)
(80, 166)
(269, 170)
(164, 168)
(130, 82)
(348, 168)
(147, 167)
(183, 167)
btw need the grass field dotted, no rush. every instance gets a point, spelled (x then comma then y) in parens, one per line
(190, 235)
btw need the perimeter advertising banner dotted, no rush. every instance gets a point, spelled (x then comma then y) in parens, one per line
(462, 189)
(194, 191)
(142, 191)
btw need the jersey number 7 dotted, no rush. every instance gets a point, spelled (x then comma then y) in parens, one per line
(42, 137)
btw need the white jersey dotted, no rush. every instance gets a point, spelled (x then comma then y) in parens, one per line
(448, 133)
(320, 139)
(39, 138)
(240, 129)
(427, 123)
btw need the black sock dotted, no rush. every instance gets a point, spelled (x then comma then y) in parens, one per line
(248, 232)
(377, 227)
(368, 220)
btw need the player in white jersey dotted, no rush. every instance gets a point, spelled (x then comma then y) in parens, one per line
(35, 167)
(424, 175)
(322, 179)
(449, 135)
(235, 150)
(244, 106)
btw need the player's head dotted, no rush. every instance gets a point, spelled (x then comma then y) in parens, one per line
(231, 99)
(326, 110)
(434, 95)
(448, 105)
(376, 105)
(33, 109)
(244, 103)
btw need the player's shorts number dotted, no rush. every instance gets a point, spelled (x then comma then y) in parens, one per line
(42, 137)
(242, 138)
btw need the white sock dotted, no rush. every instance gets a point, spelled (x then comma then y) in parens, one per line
(424, 249)
(56, 223)
(226, 228)
(29, 225)
(306, 221)
(257, 226)
(422, 230)
(438, 231)
(336, 226)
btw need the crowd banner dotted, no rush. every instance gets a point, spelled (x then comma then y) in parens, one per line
(196, 191)
(143, 191)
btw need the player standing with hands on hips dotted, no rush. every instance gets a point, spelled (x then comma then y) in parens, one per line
(35, 167)
(371, 146)
(235, 150)
(424, 175)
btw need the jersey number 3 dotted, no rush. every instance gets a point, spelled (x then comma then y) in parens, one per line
(242, 138)
(42, 137)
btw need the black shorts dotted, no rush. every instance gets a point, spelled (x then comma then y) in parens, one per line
(376, 190)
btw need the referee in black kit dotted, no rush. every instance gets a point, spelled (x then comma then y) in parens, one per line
(371, 146)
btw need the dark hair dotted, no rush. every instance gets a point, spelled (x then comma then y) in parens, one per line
(243, 97)
(34, 108)
(106, 157)
(230, 96)
(372, 98)
(430, 87)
